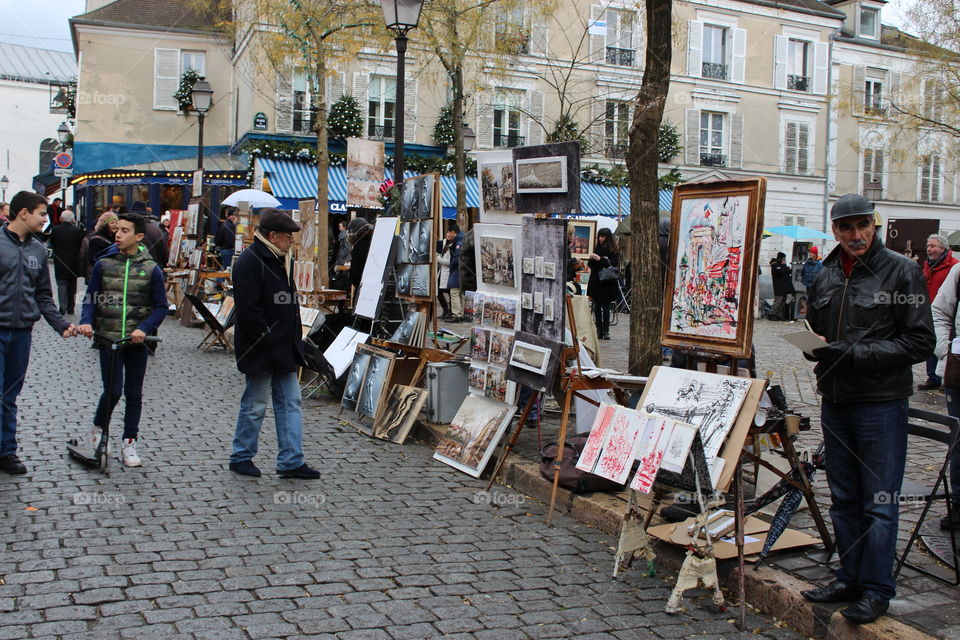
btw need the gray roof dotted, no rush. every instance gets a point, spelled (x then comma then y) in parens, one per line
(170, 15)
(214, 162)
(29, 64)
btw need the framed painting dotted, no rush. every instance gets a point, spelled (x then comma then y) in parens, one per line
(712, 269)
(474, 433)
(373, 387)
(365, 160)
(542, 175)
(400, 410)
(584, 238)
(497, 185)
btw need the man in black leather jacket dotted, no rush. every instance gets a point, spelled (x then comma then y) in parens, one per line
(870, 306)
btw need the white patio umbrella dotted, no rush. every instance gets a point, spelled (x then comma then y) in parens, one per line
(255, 197)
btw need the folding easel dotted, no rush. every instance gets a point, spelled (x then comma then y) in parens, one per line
(216, 335)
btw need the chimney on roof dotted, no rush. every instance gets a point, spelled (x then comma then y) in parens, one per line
(93, 5)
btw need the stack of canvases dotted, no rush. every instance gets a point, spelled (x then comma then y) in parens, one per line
(305, 240)
(377, 388)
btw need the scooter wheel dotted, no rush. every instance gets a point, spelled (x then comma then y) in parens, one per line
(103, 462)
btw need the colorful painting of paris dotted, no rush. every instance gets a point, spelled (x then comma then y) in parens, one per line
(706, 295)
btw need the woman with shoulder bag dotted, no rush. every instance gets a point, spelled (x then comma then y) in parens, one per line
(946, 323)
(602, 287)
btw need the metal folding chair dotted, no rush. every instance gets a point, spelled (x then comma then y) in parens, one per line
(947, 436)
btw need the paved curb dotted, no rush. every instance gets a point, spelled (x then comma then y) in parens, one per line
(768, 590)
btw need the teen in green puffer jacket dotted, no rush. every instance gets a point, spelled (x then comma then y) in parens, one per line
(125, 299)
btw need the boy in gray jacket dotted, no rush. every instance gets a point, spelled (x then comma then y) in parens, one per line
(25, 295)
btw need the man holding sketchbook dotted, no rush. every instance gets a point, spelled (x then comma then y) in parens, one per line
(870, 306)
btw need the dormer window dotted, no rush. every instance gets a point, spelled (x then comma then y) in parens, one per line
(869, 23)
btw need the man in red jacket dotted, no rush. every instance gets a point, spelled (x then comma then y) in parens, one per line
(935, 268)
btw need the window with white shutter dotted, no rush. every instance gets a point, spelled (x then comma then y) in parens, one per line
(511, 33)
(872, 167)
(798, 65)
(304, 114)
(195, 60)
(695, 48)
(930, 178)
(796, 141)
(711, 139)
(166, 79)
(616, 125)
(507, 119)
(381, 107)
(535, 117)
(284, 103)
(620, 46)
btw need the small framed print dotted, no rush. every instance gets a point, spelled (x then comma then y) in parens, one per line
(528, 266)
(548, 309)
(550, 270)
(538, 267)
(538, 302)
(526, 301)
(530, 357)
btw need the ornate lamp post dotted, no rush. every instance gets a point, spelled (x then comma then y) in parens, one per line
(202, 97)
(400, 17)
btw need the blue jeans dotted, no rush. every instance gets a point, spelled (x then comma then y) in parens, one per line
(129, 367)
(953, 409)
(14, 358)
(286, 410)
(866, 450)
(932, 370)
(226, 258)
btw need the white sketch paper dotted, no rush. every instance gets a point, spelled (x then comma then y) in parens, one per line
(708, 401)
(681, 439)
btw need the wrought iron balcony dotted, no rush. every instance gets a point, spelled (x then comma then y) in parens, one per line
(508, 141)
(713, 159)
(621, 57)
(798, 83)
(876, 107)
(714, 70)
(615, 149)
(380, 132)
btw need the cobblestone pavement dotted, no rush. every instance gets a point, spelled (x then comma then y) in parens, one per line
(388, 544)
(920, 600)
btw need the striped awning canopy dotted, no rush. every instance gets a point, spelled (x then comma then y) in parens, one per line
(291, 181)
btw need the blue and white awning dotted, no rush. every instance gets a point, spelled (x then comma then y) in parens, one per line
(291, 181)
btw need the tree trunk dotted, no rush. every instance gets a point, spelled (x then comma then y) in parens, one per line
(646, 298)
(459, 156)
(321, 247)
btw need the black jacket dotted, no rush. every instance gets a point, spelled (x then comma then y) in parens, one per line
(226, 235)
(883, 312)
(154, 241)
(358, 258)
(467, 263)
(268, 334)
(782, 276)
(602, 291)
(65, 241)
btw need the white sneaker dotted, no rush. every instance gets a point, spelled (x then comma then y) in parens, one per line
(128, 451)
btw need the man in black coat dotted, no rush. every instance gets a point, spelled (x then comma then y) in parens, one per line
(782, 285)
(359, 234)
(65, 241)
(268, 347)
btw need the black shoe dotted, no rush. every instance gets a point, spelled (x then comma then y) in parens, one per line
(303, 471)
(836, 591)
(951, 523)
(865, 610)
(929, 385)
(245, 468)
(12, 465)
(456, 319)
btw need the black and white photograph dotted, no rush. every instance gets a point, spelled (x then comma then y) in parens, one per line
(542, 175)
(351, 390)
(549, 271)
(418, 197)
(538, 267)
(404, 274)
(530, 357)
(538, 302)
(528, 266)
(421, 234)
(409, 330)
(378, 371)
(526, 301)
(496, 261)
(548, 309)
(420, 281)
(407, 238)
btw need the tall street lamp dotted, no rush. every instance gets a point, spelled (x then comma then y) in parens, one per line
(4, 183)
(400, 16)
(202, 96)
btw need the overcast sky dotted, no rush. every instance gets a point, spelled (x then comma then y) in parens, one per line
(39, 23)
(43, 23)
